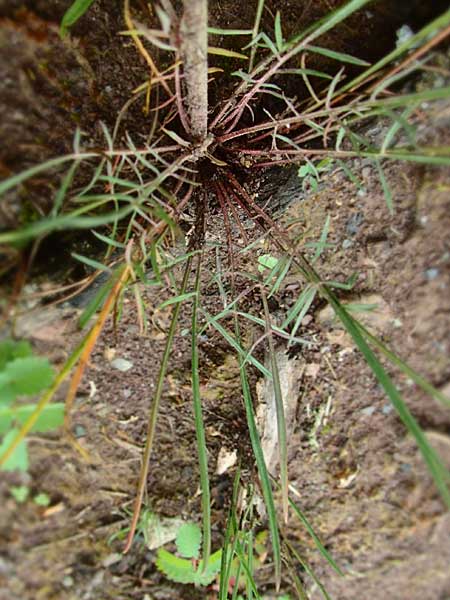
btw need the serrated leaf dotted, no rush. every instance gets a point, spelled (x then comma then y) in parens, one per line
(180, 570)
(207, 576)
(188, 540)
(51, 417)
(10, 349)
(7, 394)
(25, 376)
(18, 461)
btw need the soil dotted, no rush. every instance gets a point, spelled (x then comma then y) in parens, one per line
(359, 476)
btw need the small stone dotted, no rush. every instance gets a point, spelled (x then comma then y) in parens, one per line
(347, 244)
(353, 224)
(126, 393)
(307, 320)
(368, 411)
(122, 364)
(68, 581)
(111, 559)
(431, 274)
(79, 431)
(366, 172)
(387, 408)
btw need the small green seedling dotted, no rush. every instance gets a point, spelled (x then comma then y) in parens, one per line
(188, 567)
(310, 173)
(23, 374)
(20, 493)
(266, 261)
(42, 499)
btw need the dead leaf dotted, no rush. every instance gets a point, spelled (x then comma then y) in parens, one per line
(225, 460)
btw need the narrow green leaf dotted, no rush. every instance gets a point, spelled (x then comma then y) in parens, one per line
(235, 344)
(225, 52)
(73, 13)
(323, 239)
(308, 569)
(109, 241)
(90, 262)
(217, 31)
(320, 547)
(177, 299)
(339, 56)
(61, 194)
(279, 40)
(261, 464)
(386, 189)
(97, 301)
(178, 139)
(435, 466)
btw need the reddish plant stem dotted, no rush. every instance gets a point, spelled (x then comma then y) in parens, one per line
(222, 202)
(233, 210)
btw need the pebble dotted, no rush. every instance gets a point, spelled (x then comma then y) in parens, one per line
(347, 244)
(122, 364)
(366, 172)
(79, 431)
(68, 581)
(431, 274)
(111, 559)
(352, 225)
(387, 408)
(368, 411)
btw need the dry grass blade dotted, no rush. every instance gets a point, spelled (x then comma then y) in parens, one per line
(91, 340)
(154, 412)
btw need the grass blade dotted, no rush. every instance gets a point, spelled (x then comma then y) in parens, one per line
(339, 56)
(307, 568)
(320, 547)
(151, 426)
(435, 466)
(199, 426)
(260, 462)
(281, 419)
